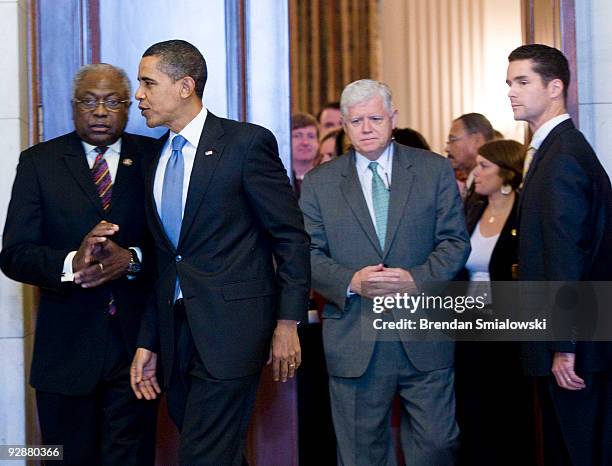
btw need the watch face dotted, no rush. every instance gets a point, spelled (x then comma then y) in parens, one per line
(134, 266)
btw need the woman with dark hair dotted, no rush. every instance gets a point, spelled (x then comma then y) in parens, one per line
(327, 148)
(494, 409)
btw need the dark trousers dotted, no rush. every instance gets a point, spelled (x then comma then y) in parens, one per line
(495, 409)
(577, 425)
(106, 427)
(212, 415)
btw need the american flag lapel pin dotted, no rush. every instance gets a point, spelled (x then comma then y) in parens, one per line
(127, 162)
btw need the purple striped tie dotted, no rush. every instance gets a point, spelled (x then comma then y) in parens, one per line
(101, 177)
(104, 186)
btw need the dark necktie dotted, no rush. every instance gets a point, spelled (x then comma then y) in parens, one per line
(101, 177)
(104, 187)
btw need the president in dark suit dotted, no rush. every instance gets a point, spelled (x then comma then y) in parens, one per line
(77, 215)
(381, 218)
(232, 256)
(564, 235)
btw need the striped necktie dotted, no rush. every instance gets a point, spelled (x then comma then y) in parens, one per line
(527, 163)
(101, 177)
(104, 187)
(380, 201)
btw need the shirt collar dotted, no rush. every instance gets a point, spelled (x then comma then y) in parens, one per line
(545, 129)
(384, 161)
(114, 147)
(193, 130)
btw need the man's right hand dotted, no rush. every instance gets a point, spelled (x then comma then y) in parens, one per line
(90, 245)
(142, 374)
(361, 278)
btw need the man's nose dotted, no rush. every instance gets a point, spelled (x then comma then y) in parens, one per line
(100, 109)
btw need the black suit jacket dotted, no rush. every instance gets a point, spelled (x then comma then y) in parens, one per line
(54, 204)
(242, 258)
(565, 235)
(505, 253)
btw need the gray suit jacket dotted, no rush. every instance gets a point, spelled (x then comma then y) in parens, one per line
(426, 235)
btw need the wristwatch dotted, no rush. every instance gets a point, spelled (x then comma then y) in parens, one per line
(134, 265)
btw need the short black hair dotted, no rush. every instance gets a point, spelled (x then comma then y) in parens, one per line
(411, 138)
(478, 123)
(333, 105)
(179, 58)
(548, 62)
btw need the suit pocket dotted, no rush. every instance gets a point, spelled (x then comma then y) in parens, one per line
(248, 289)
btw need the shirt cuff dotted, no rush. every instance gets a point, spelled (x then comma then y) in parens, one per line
(67, 273)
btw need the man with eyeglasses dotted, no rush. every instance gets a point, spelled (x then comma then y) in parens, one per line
(467, 133)
(382, 218)
(76, 228)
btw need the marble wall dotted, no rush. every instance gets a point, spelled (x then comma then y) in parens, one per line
(13, 136)
(594, 56)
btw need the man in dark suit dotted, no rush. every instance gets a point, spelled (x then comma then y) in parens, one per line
(232, 256)
(381, 218)
(77, 215)
(564, 230)
(467, 133)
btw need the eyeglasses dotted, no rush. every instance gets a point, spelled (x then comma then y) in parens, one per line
(376, 120)
(453, 139)
(112, 105)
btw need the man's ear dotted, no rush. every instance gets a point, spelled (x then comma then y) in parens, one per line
(555, 88)
(187, 87)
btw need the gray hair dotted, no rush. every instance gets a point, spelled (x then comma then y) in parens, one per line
(96, 67)
(362, 90)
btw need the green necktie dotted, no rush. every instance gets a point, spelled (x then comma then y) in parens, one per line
(380, 201)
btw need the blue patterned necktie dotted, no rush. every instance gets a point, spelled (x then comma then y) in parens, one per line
(172, 191)
(380, 201)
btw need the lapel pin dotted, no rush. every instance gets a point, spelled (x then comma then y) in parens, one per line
(209, 152)
(127, 162)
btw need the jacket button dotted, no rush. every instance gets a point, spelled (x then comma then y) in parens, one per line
(178, 258)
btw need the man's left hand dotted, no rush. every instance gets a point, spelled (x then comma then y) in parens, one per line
(112, 263)
(285, 351)
(563, 370)
(390, 281)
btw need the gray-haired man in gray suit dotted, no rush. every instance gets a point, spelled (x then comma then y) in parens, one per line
(381, 218)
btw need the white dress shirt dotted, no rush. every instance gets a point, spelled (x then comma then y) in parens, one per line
(191, 133)
(545, 129)
(385, 167)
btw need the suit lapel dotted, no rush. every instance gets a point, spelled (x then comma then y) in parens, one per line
(401, 184)
(208, 154)
(542, 153)
(353, 194)
(75, 160)
(149, 186)
(127, 170)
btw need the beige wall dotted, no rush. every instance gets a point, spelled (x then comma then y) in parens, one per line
(443, 58)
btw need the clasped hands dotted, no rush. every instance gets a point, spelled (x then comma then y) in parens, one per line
(378, 280)
(99, 259)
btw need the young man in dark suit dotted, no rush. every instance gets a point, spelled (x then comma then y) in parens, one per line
(76, 228)
(232, 255)
(564, 228)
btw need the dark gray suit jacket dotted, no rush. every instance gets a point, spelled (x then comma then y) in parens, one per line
(426, 235)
